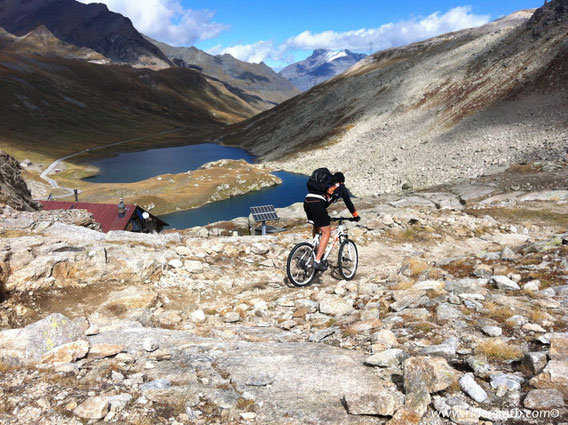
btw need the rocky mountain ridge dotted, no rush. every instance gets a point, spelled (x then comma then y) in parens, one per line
(457, 314)
(83, 25)
(431, 112)
(322, 65)
(257, 82)
(42, 42)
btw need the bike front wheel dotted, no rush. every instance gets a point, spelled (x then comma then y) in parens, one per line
(300, 265)
(348, 259)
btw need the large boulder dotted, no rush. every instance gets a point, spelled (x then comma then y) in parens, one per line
(554, 375)
(424, 375)
(28, 345)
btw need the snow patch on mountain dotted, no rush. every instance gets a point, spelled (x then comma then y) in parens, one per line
(322, 65)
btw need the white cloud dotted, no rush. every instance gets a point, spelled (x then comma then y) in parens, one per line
(361, 40)
(254, 53)
(167, 20)
(389, 35)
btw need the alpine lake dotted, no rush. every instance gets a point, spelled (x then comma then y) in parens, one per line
(134, 166)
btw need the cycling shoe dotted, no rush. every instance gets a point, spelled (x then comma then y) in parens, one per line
(321, 266)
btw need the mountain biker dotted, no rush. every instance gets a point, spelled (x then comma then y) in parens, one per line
(315, 206)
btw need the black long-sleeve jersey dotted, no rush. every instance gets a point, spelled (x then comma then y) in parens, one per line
(337, 191)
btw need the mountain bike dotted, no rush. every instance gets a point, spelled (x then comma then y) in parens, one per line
(300, 265)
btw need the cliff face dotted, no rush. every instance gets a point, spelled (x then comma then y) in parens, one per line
(13, 189)
(83, 25)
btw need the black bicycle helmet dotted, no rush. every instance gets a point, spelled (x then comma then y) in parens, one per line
(339, 177)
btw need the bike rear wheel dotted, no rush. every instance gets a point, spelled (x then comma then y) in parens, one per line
(300, 265)
(348, 259)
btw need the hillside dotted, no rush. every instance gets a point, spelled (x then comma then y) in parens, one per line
(257, 83)
(83, 25)
(42, 42)
(322, 65)
(434, 111)
(76, 105)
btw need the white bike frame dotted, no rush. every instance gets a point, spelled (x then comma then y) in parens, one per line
(340, 231)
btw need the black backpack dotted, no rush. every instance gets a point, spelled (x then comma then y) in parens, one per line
(320, 180)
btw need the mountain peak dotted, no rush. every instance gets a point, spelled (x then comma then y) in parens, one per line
(40, 33)
(322, 65)
(319, 52)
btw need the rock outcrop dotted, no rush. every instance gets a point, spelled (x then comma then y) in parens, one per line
(13, 189)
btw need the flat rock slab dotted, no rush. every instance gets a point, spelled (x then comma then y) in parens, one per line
(471, 192)
(133, 338)
(413, 201)
(546, 195)
(502, 198)
(308, 381)
(305, 382)
(444, 200)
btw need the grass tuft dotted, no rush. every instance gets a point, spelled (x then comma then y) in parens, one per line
(498, 312)
(497, 349)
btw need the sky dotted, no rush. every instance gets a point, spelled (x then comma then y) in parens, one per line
(279, 33)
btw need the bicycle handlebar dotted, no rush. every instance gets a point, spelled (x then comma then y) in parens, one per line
(340, 219)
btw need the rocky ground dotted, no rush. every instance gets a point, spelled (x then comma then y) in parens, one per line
(457, 315)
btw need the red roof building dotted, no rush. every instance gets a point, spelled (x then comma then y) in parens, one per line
(107, 215)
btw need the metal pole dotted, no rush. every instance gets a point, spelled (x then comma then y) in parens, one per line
(264, 228)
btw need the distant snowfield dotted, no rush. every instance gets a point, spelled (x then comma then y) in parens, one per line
(333, 55)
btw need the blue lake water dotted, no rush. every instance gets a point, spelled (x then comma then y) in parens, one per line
(134, 166)
(292, 190)
(131, 167)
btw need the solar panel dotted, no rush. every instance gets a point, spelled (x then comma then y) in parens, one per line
(263, 213)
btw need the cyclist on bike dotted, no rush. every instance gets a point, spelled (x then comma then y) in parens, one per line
(315, 206)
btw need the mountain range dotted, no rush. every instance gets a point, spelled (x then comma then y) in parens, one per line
(438, 110)
(322, 65)
(55, 104)
(84, 75)
(257, 83)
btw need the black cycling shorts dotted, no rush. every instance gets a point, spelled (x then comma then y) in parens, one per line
(316, 211)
